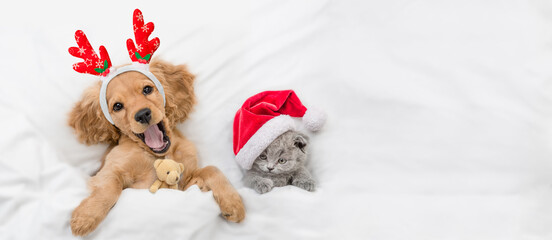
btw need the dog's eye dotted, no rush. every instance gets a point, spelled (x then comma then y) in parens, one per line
(147, 90)
(263, 157)
(282, 161)
(117, 106)
(168, 173)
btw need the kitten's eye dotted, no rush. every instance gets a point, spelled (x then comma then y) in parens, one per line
(147, 90)
(117, 106)
(282, 161)
(263, 157)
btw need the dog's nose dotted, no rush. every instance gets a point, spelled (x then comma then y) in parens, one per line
(143, 116)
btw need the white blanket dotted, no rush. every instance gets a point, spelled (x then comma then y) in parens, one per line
(439, 116)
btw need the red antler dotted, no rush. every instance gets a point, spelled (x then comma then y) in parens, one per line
(144, 50)
(91, 64)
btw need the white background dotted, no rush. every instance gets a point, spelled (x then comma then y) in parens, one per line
(439, 116)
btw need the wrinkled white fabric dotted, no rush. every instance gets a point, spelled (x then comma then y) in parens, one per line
(439, 116)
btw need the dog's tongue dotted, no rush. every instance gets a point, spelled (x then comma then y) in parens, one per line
(153, 137)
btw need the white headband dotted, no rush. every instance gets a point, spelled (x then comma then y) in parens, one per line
(136, 67)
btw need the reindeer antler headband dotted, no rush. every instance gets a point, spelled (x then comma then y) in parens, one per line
(101, 66)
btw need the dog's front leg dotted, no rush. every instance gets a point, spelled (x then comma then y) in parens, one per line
(228, 199)
(106, 188)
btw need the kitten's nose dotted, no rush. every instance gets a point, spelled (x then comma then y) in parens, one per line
(270, 169)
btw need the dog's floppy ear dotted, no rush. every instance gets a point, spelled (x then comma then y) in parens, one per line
(89, 122)
(178, 84)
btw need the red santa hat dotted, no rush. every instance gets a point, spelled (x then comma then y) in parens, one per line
(265, 116)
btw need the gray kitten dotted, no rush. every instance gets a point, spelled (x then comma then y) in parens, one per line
(281, 164)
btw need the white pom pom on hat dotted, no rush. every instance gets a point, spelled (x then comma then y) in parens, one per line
(314, 119)
(265, 116)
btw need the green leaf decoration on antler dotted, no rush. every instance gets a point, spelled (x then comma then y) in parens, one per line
(101, 70)
(147, 57)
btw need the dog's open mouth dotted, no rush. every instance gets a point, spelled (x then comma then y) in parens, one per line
(155, 137)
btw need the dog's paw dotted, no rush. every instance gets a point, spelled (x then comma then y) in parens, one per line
(84, 220)
(200, 184)
(307, 184)
(231, 207)
(264, 185)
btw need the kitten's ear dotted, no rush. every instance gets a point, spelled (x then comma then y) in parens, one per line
(300, 140)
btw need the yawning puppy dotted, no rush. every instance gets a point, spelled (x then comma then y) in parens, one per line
(144, 130)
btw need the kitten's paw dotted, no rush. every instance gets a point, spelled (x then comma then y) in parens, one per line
(264, 185)
(307, 184)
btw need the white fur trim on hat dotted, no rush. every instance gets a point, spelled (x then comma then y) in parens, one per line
(314, 119)
(262, 138)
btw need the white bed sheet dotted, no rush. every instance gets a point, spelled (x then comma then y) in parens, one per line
(439, 116)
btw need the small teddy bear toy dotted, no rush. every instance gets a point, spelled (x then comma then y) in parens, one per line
(168, 174)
